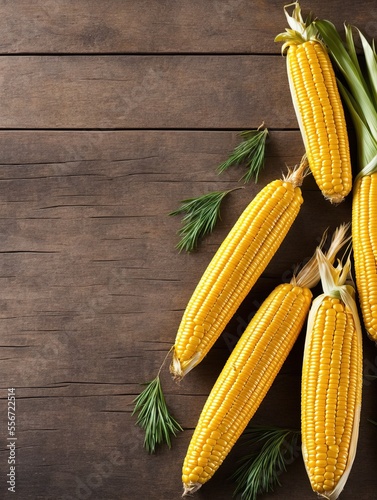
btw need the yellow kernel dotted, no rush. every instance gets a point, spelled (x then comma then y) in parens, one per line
(321, 463)
(328, 487)
(338, 307)
(195, 341)
(321, 448)
(332, 454)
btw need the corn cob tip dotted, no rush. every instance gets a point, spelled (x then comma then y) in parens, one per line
(335, 198)
(179, 370)
(190, 488)
(176, 369)
(297, 174)
(308, 276)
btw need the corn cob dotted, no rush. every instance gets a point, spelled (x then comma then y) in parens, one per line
(235, 267)
(364, 219)
(318, 107)
(359, 91)
(331, 383)
(250, 371)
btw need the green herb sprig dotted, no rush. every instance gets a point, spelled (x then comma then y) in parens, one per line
(259, 471)
(251, 152)
(154, 416)
(200, 217)
(202, 213)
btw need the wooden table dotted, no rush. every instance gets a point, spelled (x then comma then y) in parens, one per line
(111, 112)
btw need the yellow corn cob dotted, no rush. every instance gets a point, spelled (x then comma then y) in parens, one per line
(234, 269)
(331, 384)
(364, 233)
(250, 371)
(318, 107)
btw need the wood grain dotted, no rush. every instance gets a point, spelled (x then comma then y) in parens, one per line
(111, 113)
(144, 92)
(163, 26)
(92, 294)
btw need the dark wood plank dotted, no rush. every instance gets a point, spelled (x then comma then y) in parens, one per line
(92, 294)
(171, 26)
(110, 462)
(144, 92)
(92, 288)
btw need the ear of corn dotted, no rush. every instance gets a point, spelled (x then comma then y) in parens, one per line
(250, 371)
(244, 381)
(364, 232)
(234, 269)
(318, 107)
(331, 383)
(358, 93)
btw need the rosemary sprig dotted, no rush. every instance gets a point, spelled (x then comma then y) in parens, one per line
(153, 415)
(259, 471)
(200, 217)
(250, 151)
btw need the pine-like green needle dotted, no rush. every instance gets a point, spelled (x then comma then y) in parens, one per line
(154, 417)
(199, 219)
(259, 471)
(251, 152)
